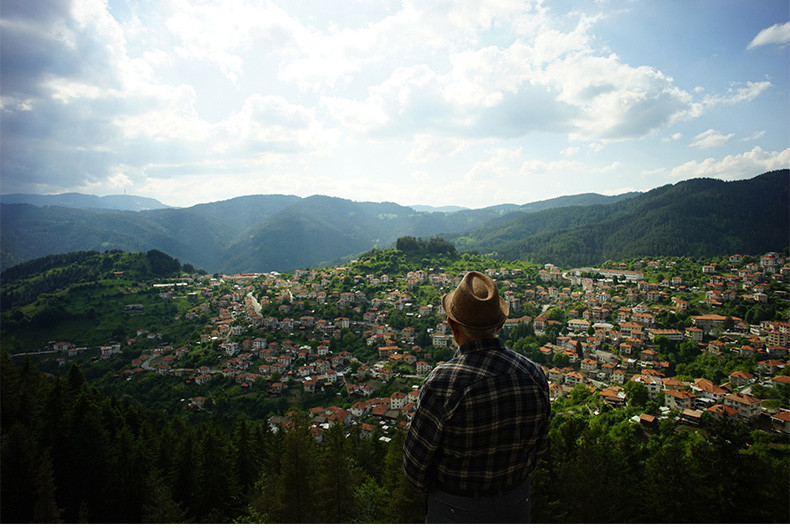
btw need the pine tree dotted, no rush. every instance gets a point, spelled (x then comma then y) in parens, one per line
(159, 506)
(46, 510)
(247, 463)
(335, 479)
(295, 490)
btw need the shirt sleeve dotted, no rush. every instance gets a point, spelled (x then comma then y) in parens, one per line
(423, 439)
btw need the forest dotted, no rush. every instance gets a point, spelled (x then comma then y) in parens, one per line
(72, 454)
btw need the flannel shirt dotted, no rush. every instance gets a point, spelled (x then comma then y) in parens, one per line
(481, 421)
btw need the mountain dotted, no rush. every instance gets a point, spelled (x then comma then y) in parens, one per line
(282, 232)
(120, 202)
(695, 218)
(432, 209)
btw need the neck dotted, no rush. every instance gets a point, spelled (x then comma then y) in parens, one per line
(459, 335)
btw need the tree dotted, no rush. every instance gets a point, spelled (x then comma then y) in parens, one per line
(295, 485)
(336, 479)
(46, 509)
(371, 503)
(159, 506)
(636, 393)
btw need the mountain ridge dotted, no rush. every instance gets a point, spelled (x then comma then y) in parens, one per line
(283, 232)
(121, 202)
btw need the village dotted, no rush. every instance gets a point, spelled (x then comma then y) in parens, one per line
(611, 335)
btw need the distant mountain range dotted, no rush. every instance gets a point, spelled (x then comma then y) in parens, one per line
(702, 217)
(83, 201)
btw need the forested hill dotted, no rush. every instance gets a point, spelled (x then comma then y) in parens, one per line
(248, 233)
(71, 454)
(24, 283)
(698, 218)
(121, 201)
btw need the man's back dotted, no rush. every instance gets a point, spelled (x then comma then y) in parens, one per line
(481, 421)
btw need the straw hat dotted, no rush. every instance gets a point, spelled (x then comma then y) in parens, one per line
(476, 303)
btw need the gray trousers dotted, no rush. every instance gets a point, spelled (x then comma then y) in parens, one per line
(507, 507)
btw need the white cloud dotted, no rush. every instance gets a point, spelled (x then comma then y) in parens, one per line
(269, 123)
(222, 33)
(608, 168)
(710, 138)
(733, 167)
(428, 148)
(756, 135)
(674, 137)
(740, 95)
(776, 34)
(500, 163)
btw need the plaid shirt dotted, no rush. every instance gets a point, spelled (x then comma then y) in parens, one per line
(481, 421)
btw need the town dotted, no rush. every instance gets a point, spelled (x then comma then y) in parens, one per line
(354, 347)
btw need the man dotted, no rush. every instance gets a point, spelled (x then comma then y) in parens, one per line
(481, 419)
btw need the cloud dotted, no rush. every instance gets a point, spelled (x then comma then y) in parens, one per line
(776, 34)
(734, 166)
(602, 170)
(710, 138)
(757, 135)
(734, 96)
(508, 92)
(178, 98)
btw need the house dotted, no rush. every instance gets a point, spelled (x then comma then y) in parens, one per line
(614, 396)
(770, 366)
(694, 333)
(397, 400)
(723, 411)
(573, 378)
(672, 335)
(740, 378)
(422, 368)
(780, 381)
(678, 399)
(781, 421)
(440, 340)
(366, 430)
(578, 325)
(652, 383)
(747, 405)
(648, 421)
(588, 365)
(708, 390)
(690, 416)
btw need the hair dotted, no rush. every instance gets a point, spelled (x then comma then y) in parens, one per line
(478, 333)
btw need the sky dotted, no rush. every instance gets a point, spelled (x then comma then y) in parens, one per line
(437, 102)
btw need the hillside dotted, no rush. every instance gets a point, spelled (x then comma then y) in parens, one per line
(82, 201)
(699, 218)
(130, 397)
(249, 233)
(279, 232)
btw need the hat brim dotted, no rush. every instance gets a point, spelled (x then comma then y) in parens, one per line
(447, 306)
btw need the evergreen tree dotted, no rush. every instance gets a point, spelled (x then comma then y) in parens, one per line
(159, 507)
(217, 485)
(46, 510)
(371, 503)
(336, 480)
(247, 464)
(295, 486)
